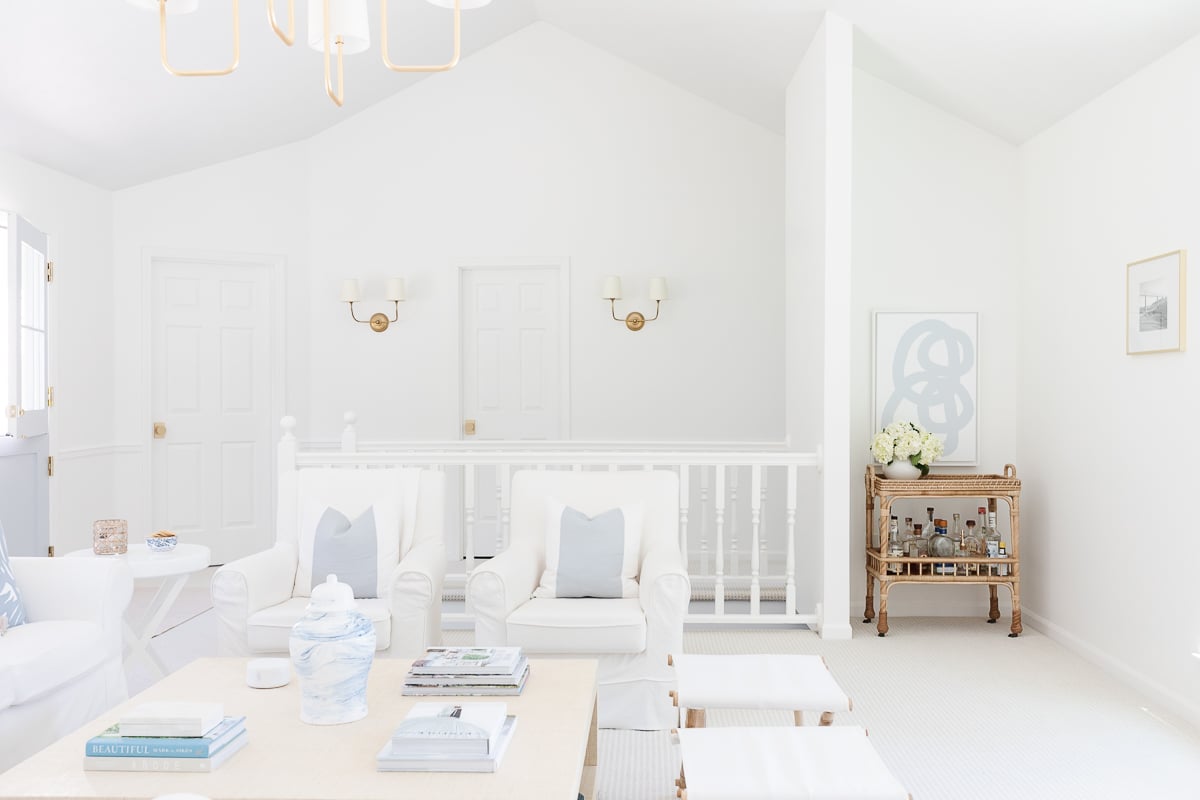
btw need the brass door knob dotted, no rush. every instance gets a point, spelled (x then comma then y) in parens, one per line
(160, 430)
(469, 427)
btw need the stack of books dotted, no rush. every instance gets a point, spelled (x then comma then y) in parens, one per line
(468, 671)
(167, 737)
(449, 737)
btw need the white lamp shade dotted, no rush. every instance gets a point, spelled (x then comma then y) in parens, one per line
(173, 6)
(347, 19)
(350, 291)
(658, 288)
(612, 288)
(467, 5)
(395, 289)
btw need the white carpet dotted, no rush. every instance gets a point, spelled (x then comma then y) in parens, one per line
(955, 708)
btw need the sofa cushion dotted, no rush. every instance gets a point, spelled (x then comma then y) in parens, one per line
(579, 625)
(39, 657)
(267, 631)
(11, 608)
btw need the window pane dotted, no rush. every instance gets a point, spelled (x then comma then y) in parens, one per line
(33, 288)
(33, 369)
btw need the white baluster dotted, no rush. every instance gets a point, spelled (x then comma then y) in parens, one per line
(755, 501)
(734, 562)
(719, 505)
(790, 592)
(469, 512)
(684, 498)
(703, 521)
(762, 546)
(577, 468)
(349, 433)
(504, 492)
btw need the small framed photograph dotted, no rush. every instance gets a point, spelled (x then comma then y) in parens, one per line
(1155, 300)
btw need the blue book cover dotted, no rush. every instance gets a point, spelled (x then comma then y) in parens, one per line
(112, 743)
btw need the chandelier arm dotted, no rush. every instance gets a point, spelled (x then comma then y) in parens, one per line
(288, 38)
(383, 43)
(199, 73)
(339, 96)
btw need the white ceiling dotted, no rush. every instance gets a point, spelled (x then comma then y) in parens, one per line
(81, 89)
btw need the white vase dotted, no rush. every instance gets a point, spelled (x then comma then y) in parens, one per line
(901, 469)
(332, 648)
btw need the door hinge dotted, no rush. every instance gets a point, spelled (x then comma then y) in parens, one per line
(49, 397)
(49, 272)
(50, 466)
(50, 551)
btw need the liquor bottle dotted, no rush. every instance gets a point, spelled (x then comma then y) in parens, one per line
(991, 542)
(894, 530)
(960, 544)
(914, 546)
(940, 544)
(1003, 554)
(973, 544)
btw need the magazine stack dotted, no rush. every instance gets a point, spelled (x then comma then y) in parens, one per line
(167, 737)
(449, 737)
(462, 671)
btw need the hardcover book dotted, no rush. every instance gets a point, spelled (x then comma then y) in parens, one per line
(171, 719)
(165, 764)
(511, 678)
(436, 729)
(389, 761)
(111, 743)
(451, 688)
(467, 661)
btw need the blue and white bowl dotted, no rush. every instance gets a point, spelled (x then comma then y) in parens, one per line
(162, 544)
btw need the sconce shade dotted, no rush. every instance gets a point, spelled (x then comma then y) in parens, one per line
(612, 288)
(350, 291)
(347, 19)
(467, 5)
(658, 288)
(173, 6)
(395, 289)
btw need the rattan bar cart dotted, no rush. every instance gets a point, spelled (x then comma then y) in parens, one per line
(889, 570)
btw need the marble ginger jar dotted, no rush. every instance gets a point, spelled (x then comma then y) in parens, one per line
(332, 647)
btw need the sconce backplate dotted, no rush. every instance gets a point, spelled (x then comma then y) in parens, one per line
(379, 322)
(635, 321)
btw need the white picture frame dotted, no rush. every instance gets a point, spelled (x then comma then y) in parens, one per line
(926, 370)
(1156, 304)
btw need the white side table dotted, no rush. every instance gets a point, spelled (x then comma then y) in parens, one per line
(171, 571)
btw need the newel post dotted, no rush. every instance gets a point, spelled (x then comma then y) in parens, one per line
(286, 449)
(350, 433)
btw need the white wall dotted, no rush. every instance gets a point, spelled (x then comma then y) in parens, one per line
(78, 218)
(1106, 560)
(936, 228)
(542, 145)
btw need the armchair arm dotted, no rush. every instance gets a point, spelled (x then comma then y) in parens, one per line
(89, 589)
(250, 584)
(495, 589)
(415, 598)
(664, 591)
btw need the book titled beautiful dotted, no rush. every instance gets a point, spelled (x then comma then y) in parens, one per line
(468, 661)
(165, 764)
(111, 743)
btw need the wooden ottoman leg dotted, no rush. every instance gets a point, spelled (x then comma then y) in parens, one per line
(826, 719)
(695, 718)
(869, 611)
(882, 626)
(1016, 611)
(993, 603)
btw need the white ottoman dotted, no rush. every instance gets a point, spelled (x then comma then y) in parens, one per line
(793, 683)
(835, 763)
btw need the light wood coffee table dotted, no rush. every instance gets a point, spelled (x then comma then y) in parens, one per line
(552, 754)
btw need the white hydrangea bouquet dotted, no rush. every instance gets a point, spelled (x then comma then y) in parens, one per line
(907, 441)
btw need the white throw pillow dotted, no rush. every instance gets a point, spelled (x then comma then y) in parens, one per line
(594, 558)
(388, 529)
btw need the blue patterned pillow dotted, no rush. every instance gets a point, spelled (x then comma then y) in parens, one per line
(10, 599)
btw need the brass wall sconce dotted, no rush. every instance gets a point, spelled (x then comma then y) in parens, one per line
(379, 322)
(634, 320)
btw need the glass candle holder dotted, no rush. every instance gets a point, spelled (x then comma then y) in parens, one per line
(110, 537)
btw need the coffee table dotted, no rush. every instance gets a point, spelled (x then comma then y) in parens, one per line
(170, 570)
(552, 754)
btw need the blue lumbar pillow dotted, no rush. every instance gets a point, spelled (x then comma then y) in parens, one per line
(11, 609)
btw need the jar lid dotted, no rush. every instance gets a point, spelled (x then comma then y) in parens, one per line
(332, 595)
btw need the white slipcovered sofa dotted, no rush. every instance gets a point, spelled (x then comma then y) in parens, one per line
(630, 636)
(259, 598)
(63, 667)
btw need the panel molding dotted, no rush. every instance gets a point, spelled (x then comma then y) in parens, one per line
(97, 451)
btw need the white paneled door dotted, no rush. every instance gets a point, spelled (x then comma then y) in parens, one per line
(211, 368)
(514, 368)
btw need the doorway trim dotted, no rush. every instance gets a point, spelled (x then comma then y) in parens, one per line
(276, 265)
(563, 265)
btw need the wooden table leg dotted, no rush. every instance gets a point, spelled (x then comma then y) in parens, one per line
(882, 627)
(993, 603)
(695, 718)
(826, 719)
(587, 781)
(869, 611)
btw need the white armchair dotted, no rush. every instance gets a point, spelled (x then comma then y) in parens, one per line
(630, 637)
(258, 598)
(63, 666)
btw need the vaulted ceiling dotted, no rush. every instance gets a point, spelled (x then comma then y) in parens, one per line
(82, 91)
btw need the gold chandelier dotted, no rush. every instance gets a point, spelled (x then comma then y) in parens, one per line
(333, 25)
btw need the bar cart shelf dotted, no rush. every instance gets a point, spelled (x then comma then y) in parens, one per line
(890, 570)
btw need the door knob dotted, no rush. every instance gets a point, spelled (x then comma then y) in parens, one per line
(469, 427)
(160, 430)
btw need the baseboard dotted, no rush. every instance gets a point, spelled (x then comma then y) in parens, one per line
(1172, 703)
